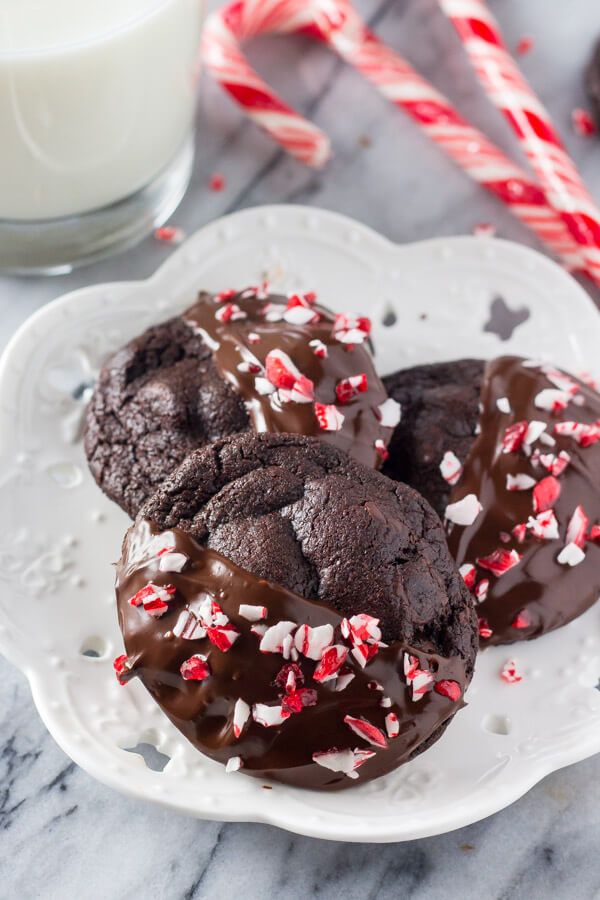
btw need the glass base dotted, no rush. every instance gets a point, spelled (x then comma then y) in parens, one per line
(57, 246)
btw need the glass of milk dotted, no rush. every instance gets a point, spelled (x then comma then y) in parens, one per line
(97, 103)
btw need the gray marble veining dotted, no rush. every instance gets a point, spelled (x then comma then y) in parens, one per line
(65, 836)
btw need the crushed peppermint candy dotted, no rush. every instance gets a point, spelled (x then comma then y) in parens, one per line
(468, 572)
(269, 716)
(419, 680)
(346, 761)
(545, 493)
(216, 182)
(484, 628)
(583, 122)
(252, 613)
(329, 417)
(351, 329)
(299, 311)
(343, 680)
(544, 525)
(366, 730)
(481, 589)
(222, 636)
(241, 714)
(121, 667)
(169, 234)
(464, 511)
(451, 467)
(172, 562)
(230, 312)
(555, 464)
(273, 638)
(503, 405)
(189, 627)
(552, 400)
(348, 388)
(500, 561)
(510, 673)
(519, 482)
(312, 642)
(585, 435)
(448, 688)
(234, 764)
(577, 527)
(392, 725)
(570, 555)
(331, 662)
(389, 413)
(195, 668)
(521, 620)
(154, 598)
(319, 348)
(381, 449)
(283, 374)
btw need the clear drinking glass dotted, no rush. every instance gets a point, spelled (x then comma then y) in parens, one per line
(97, 103)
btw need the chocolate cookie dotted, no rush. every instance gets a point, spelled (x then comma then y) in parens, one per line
(508, 452)
(233, 363)
(294, 613)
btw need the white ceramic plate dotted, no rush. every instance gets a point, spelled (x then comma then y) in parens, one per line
(59, 534)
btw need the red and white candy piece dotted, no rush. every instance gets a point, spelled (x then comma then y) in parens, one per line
(544, 525)
(169, 234)
(241, 714)
(366, 730)
(269, 716)
(319, 348)
(263, 386)
(545, 493)
(189, 627)
(361, 627)
(381, 450)
(583, 123)
(389, 413)
(481, 589)
(286, 377)
(351, 329)
(448, 688)
(556, 465)
(171, 561)
(577, 527)
(519, 482)
(195, 668)
(464, 511)
(252, 613)
(223, 636)
(503, 404)
(451, 467)
(392, 725)
(346, 761)
(419, 680)
(299, 311)
(521, 620)
(535, 431)
(349, 388)
(509, 673)
(121, 667)
(312, 642)
(234, 764)
(585, 435)
(514, 436)
(230, 312)
(331, 662)
(468, 573)
(552, 400)
(500, 561)
(595, 534)
(154, 598)
(329, 417)
(484, 628)
(343, 680)
(570, 555)
(274, 637)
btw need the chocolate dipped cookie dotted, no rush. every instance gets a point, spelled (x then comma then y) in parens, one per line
(296, 614)
(508, 453)
(233, 362)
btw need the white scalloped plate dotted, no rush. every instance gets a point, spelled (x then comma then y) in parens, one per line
(59, 534)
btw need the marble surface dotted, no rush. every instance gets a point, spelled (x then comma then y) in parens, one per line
(67, 836)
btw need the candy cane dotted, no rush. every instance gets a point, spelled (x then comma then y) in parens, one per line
(510, 92)
(336, 23)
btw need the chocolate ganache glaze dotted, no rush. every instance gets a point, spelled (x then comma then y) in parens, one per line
(531, 554)
(299, 368)
(230, 660)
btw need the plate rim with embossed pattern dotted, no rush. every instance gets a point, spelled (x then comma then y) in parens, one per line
(85, 712)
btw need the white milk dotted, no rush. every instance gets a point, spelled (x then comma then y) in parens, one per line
(96, 97)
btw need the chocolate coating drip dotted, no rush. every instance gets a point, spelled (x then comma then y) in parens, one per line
(232, 345)
(551, 594)
(203, 710)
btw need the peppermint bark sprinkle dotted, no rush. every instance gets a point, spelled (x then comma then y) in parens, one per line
(535, 468)
(299, 368)
(301, 692)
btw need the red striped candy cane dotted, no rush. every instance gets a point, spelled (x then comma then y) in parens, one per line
(336, 23)
(509, 91)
